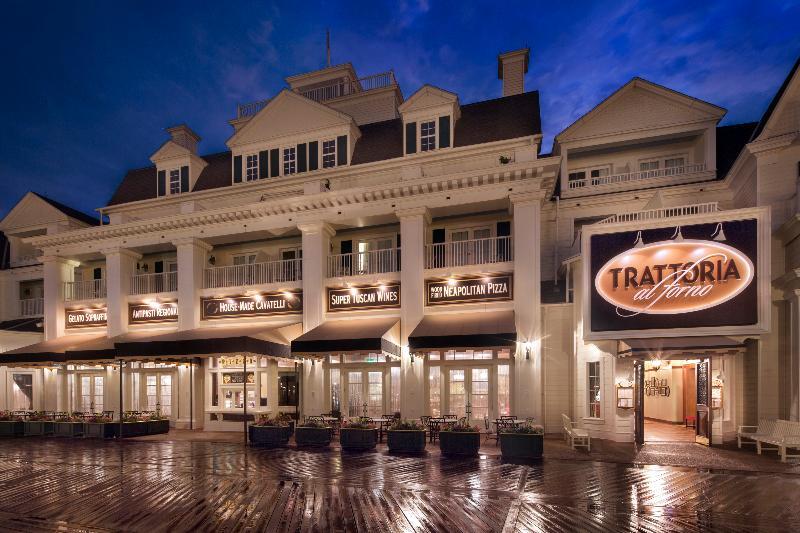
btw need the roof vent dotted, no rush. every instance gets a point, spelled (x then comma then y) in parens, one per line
(511, 68)
(184, 136)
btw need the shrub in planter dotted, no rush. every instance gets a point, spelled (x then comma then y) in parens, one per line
(522, 442)
(11, 425)
(157, 424)
(358, 436)
(460, 439)
(100, 427)
(406, 436)
(312, 433)
(269, 432)
(72, 426)
(38, 424)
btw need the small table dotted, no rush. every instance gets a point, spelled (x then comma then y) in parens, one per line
(383, 424)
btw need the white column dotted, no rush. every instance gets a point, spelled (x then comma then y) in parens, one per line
(57, 271)
(120, 266)
(564, 171)
(414, 223)
(527, 285)
(191, 254)
(792, 367)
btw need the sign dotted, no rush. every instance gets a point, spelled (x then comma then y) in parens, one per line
(85, 318)
(279, 303)
(356, 298)
(233, 378)
(469, 290)
(706, 278)
(152, 313)
(235, 361)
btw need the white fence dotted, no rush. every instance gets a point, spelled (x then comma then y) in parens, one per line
(84, 290)
(662, 212)
(154, 283)
(31, 307)
(636, 176)
(253, 274)
(364, 263)
(469, 252)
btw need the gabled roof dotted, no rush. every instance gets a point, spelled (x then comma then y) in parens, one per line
(69, 211)
(428, 96)
(730, 141)
(774, 103)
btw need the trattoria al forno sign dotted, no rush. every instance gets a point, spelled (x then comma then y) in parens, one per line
(279, 303)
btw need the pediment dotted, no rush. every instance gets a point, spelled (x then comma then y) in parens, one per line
(428, 97)
(640, 105)
(785, 117)
(287, 115)
(170, 150)
(30, 212)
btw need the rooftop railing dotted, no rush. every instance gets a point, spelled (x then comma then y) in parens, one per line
(339, 88)
(662, 212)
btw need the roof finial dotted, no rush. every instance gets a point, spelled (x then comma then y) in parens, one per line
(328, 47)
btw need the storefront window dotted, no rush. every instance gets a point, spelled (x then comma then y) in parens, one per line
(594, 389)
(435, 390)
(165, 398)
(152, 392)
(480, 393)
(503, 390)
(504, 354)
(465, 355)
(375, 406)
(262, 395)
(433, 356)
(336, 389)
(287, 390)
(335, 359)
(23, 392)
(354, 400)
(364, 358)
(395, 389)
(457, 393)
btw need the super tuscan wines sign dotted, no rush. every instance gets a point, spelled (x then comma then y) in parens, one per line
(468, 290)
(356, 298)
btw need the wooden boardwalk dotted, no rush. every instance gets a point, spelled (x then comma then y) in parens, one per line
(84, 485)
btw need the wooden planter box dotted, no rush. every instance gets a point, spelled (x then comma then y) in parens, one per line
(38, 427)
(134, 429)
(156, 427)
(312, 436)
(9, 428)
(455, 443)
(101, 430)
(269, 436)
(521, 446)
(406, 441)
(358, 439)
(68, 429)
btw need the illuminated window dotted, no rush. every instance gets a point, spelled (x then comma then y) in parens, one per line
(427, 136)
(174, 181)
(593, 378)
(336, 389)
(435, 390)
(458, 393)
(251, 167)
(166, 394)
(503, 390)
(289, 160)
(329, 153)
(354, 394)
(395, 372)
(479, 401)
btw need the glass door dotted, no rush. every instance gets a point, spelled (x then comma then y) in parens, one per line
(158, 390)
(91, 393)
(377, 262)
(469, 388)
(703, 414)
(470, 247)
(365, 387)
(354, 394)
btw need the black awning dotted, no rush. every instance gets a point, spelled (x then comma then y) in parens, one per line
(465, 330)
(679, 346)
(355, 335)
(52, 351)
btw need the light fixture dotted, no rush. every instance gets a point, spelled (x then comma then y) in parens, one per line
(719, 233)
(638, 243)
(412, 358)
(527, 351)
(353, 291)
(677, 236)
(656, 364)
(451, 281)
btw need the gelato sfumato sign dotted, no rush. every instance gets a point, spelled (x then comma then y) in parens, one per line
(355, 298)
(659, 282)
(468, 290)
(147, 313)
(279, 303)
(85, 318)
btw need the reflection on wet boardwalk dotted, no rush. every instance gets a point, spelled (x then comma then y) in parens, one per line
(64, 485)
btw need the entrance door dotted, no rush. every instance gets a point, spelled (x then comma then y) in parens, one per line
(159, 393)
(377, 262)
(365, 387)
(469, 246)
(468, 387)
(92, 394)
(703, 420)
(638, 402)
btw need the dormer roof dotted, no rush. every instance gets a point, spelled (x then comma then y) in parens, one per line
(428, 97)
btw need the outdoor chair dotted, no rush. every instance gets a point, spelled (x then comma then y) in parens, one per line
(488, 425)
(576, 437)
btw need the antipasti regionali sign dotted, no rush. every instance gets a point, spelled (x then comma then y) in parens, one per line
(468, 290)
(151, 313)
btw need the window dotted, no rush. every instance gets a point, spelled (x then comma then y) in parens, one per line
(427, 136)
(329, 153)
(336, 390)
(395, 371)
(648, 165)
(375, 394)
(593, 378)
(435, 390)
(287, 389)
(289, 160)
(598, 173)
(175, 181)
(458, 393)
(577, 176)
(503, 390)
(674, 165)
(23, 392)
(251, 167)
(152, 392)
(244, 259)
(480, 393)
(354, 389)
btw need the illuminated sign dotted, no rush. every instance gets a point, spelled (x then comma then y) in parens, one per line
(85, 318)
(469, 290)
(235, 361)
(148, 313)
(355, 298)
(279, 303)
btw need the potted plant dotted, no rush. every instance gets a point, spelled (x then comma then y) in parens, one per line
(70, 426)
(157, 424)
(269, 432)
(38, 424)
(406, 436)
(358, 435)
(11, 425)
(100, 427)
(312, 433)
(133, 425)
(460, 439)
(522, 442)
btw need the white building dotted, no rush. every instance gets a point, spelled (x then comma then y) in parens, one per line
(418, 255)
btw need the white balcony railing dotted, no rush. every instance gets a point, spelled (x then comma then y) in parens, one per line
(337, 89)
(29, 307)
(84, 290)
(471, 252)
(662, 212)
(253, 274)
(636, 176)
(154, 283)
(364, 263)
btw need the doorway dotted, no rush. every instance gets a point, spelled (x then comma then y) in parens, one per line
(91, 393)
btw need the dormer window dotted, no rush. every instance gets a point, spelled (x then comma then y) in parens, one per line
(329, 153)
(427, 136)
(174, 181)
(289, 160)
(251, 167)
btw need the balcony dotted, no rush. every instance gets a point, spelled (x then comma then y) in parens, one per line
(364, 263)
(590, 185)
(154, 283)
(31, 307)
(253, 274)
(469, 252)
(340, 88)
(84, 290)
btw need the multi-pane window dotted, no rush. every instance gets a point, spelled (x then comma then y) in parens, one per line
(427, 136)
(166, 394)
(251, 167)
(336, 390)
(395, 403)
(503, 390)
(458, 392)
(174, 181)
(479, 402)
(674, 165)
(375, 392)
(435, 390)
(593, 378)
(648, 165)
(289, 160)
(329, 153)
(598, 173)
(152, 392)
(354, 391)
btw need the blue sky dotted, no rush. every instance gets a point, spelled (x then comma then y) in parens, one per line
(89, 86)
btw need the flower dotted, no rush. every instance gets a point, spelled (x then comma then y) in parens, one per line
(313, 423)
(8, 416)
(462, 428)
(98, 419)
(525, 429)
(267, 421)
(360, 423)
(406, 425)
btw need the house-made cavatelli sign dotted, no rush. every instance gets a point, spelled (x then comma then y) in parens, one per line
(468, 290)
(356, 298)
(146, 313)
(85, 318)
(658, 281)
(278, 303)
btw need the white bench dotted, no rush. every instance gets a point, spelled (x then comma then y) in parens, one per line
(780, 435)
(764, 428)
(575, 436)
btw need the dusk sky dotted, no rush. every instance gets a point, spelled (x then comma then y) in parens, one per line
(88, 87)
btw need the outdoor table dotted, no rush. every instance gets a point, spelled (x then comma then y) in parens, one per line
(383, 424)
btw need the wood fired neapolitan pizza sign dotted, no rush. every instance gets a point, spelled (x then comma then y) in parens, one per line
(468, 290)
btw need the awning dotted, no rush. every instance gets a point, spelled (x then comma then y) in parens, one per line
(52, 351)
(355, 335)
(679, 346)
(465, 330)
(102, 348)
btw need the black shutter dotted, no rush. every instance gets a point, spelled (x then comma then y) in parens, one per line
(274, 163)
(158, 267)
(444, 132)
(346, 247)
(504, 245)
(438, 251)
(341, 150)
(97, 273)
(263, 164)
(301, 157)
(237, 169)
(185, 179)
(313, 155)
(411, 138)
(162, 182)
(399, 251)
